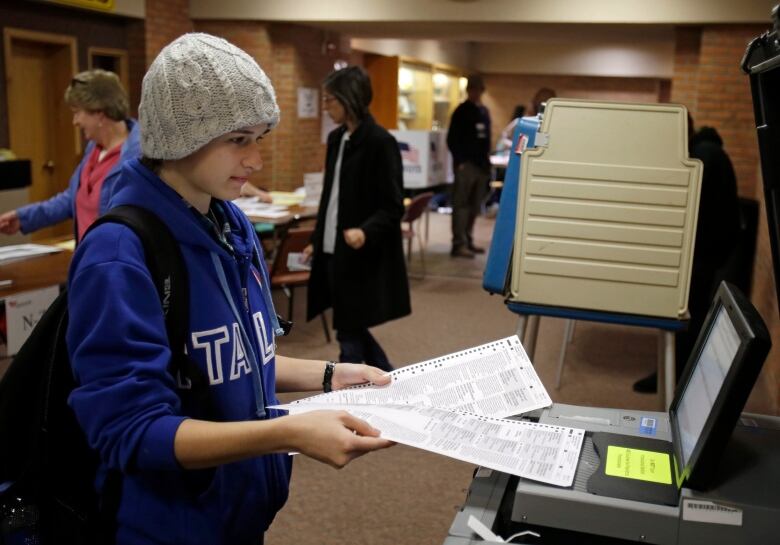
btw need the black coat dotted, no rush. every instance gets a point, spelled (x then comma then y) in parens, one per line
(371, 283)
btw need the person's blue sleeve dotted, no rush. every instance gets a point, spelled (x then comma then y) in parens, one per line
(45, 213)
(125, 400)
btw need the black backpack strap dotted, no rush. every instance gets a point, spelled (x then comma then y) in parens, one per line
(166, 265)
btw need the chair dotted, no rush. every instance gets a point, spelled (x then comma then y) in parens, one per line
(417, 206)
(282, 277)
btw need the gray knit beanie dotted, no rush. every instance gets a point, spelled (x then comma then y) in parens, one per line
(198, 88)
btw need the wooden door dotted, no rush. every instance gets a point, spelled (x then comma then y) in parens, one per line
(38, 69)
(384, 82)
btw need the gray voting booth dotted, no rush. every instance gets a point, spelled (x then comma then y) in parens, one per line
(724, 465)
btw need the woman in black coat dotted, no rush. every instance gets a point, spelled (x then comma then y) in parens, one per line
(358, 264)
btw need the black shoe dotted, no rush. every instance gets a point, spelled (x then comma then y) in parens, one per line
(476, 249)
(647, 385)
(462, 251)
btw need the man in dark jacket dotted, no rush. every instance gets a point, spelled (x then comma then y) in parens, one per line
(469, 141)
(717, 240)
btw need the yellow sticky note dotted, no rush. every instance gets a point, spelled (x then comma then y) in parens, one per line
(644, 465)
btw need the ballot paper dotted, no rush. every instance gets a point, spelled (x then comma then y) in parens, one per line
(495, 379)
(534, 451)
(456, 405)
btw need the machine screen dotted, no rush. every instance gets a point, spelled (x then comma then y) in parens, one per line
(712, 366)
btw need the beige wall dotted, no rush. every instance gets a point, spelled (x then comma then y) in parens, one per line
(638, 59)
(456, 54)
(536, 11)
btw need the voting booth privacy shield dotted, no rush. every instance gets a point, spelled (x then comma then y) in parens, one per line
(607, 206)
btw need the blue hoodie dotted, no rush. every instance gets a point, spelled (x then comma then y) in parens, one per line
(126, 400)
(63, 205)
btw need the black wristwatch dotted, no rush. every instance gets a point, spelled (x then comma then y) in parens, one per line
(327, 378)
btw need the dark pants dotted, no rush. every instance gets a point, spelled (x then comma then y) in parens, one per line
(469, 189)
(360, 346)
(356, 345)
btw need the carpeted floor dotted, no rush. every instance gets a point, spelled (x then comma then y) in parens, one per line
(407, 496)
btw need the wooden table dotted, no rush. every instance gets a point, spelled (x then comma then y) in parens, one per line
(36, 272)
(295, 214)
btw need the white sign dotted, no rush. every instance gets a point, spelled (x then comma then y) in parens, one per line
(710, 512)
(22, 312)
(308, 102)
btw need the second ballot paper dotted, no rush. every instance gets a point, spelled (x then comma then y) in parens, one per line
(457, 404)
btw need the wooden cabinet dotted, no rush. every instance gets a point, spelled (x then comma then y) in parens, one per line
(384, 82)
(413, 95)
(449, 90)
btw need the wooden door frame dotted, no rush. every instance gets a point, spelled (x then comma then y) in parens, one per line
(11, 33)
(121, 54)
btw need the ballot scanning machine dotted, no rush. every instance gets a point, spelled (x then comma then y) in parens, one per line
(701, 472)
(684, 476)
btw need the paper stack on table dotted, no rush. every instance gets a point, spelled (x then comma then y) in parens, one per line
(23, 251)
(254, 208)
(456, 405)
(288, 198)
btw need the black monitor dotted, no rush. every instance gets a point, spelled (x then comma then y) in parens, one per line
(716, 382)
(762, 63)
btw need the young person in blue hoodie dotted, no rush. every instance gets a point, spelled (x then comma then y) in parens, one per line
(101, 110)
(185, 480)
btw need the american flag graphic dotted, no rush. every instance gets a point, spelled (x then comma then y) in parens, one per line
(409, 153)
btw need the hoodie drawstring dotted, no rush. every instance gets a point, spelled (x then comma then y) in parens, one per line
(249, 350)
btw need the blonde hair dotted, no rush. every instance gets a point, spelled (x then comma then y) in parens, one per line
(98, 91)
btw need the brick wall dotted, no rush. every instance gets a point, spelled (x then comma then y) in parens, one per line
(707, 79)
(504, 91)
(685, 79)
(136, 61)
(301, 59)
(724, 100)
(166, 20)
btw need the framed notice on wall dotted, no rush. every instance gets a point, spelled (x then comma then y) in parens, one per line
(308, 102)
